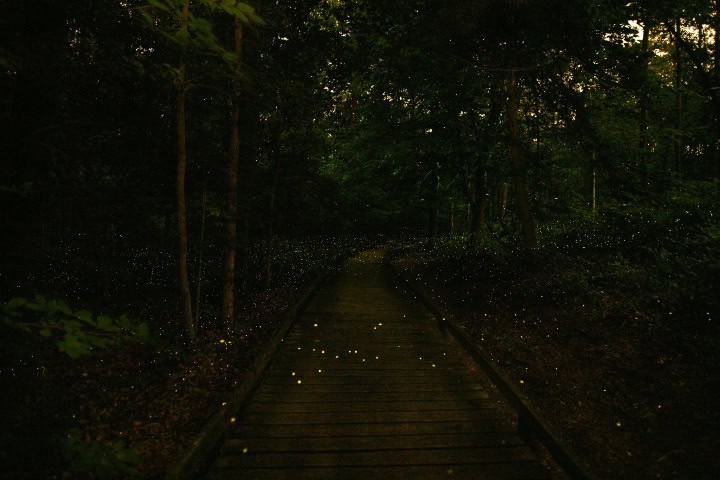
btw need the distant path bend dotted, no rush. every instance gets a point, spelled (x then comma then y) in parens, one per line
(365, 386)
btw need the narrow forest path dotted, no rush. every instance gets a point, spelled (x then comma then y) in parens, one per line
(366, 386)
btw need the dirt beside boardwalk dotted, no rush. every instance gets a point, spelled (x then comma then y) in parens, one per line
(134, 402)
(630, 391)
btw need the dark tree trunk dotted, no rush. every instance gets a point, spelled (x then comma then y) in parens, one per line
(181, 87)
(436, 205)
(270, 227)
(518, 165)
(478, 205)
(201, 247)
(228, 302)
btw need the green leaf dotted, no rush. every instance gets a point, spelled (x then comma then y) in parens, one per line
(106, 323)
(143, 331)
(230, 57)
(181, 37)
(147, 16)
(63, 307)
(100, 342)
(45, 332)
(72, 326)
(16, 302)
(72, 346)
(160, 5)
(124, 322)
(201, 25)
(85, 316)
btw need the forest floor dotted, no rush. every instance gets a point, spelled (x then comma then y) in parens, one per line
(134, 408)
(629, 385)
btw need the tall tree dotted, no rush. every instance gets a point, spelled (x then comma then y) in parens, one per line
(181, 95)
(195, 31)
(228, 300)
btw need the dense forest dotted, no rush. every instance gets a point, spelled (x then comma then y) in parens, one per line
(175, 173)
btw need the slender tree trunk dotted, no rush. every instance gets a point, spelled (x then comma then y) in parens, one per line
(270, 235)
(479, 205)
(644, 104)
(677, 150)
(247, 160)
(715, 167)
(591, 184)
(181, 87)
(436, 205)
(468, 219)
(452, 217)
(594, 190)
(518, 164)
(228, 302)
(502, 200)
(201, 249)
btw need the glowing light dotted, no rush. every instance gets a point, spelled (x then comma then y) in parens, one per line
(232, 420)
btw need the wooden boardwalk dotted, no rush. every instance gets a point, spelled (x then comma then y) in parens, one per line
(366, 386)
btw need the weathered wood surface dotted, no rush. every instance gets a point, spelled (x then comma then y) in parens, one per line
(366, 386)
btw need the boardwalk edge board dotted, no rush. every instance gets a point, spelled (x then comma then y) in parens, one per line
(530, 424)
(199, 454)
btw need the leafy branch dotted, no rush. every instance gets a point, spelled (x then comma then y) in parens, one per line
(76, 333)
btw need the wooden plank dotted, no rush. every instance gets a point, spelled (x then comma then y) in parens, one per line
(315, 350)
(404, 321)
(355, 363)
(377, 442)
(356, 335)
(345, 396)
(359, 339)
(366, 369)
(368, 429)
(266, 388)
(355, 406)
(440, 456)
(491, 471)
(377, 379)
(318, 418)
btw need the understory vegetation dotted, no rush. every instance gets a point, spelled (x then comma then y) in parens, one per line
(611, 328)
(89, 408)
